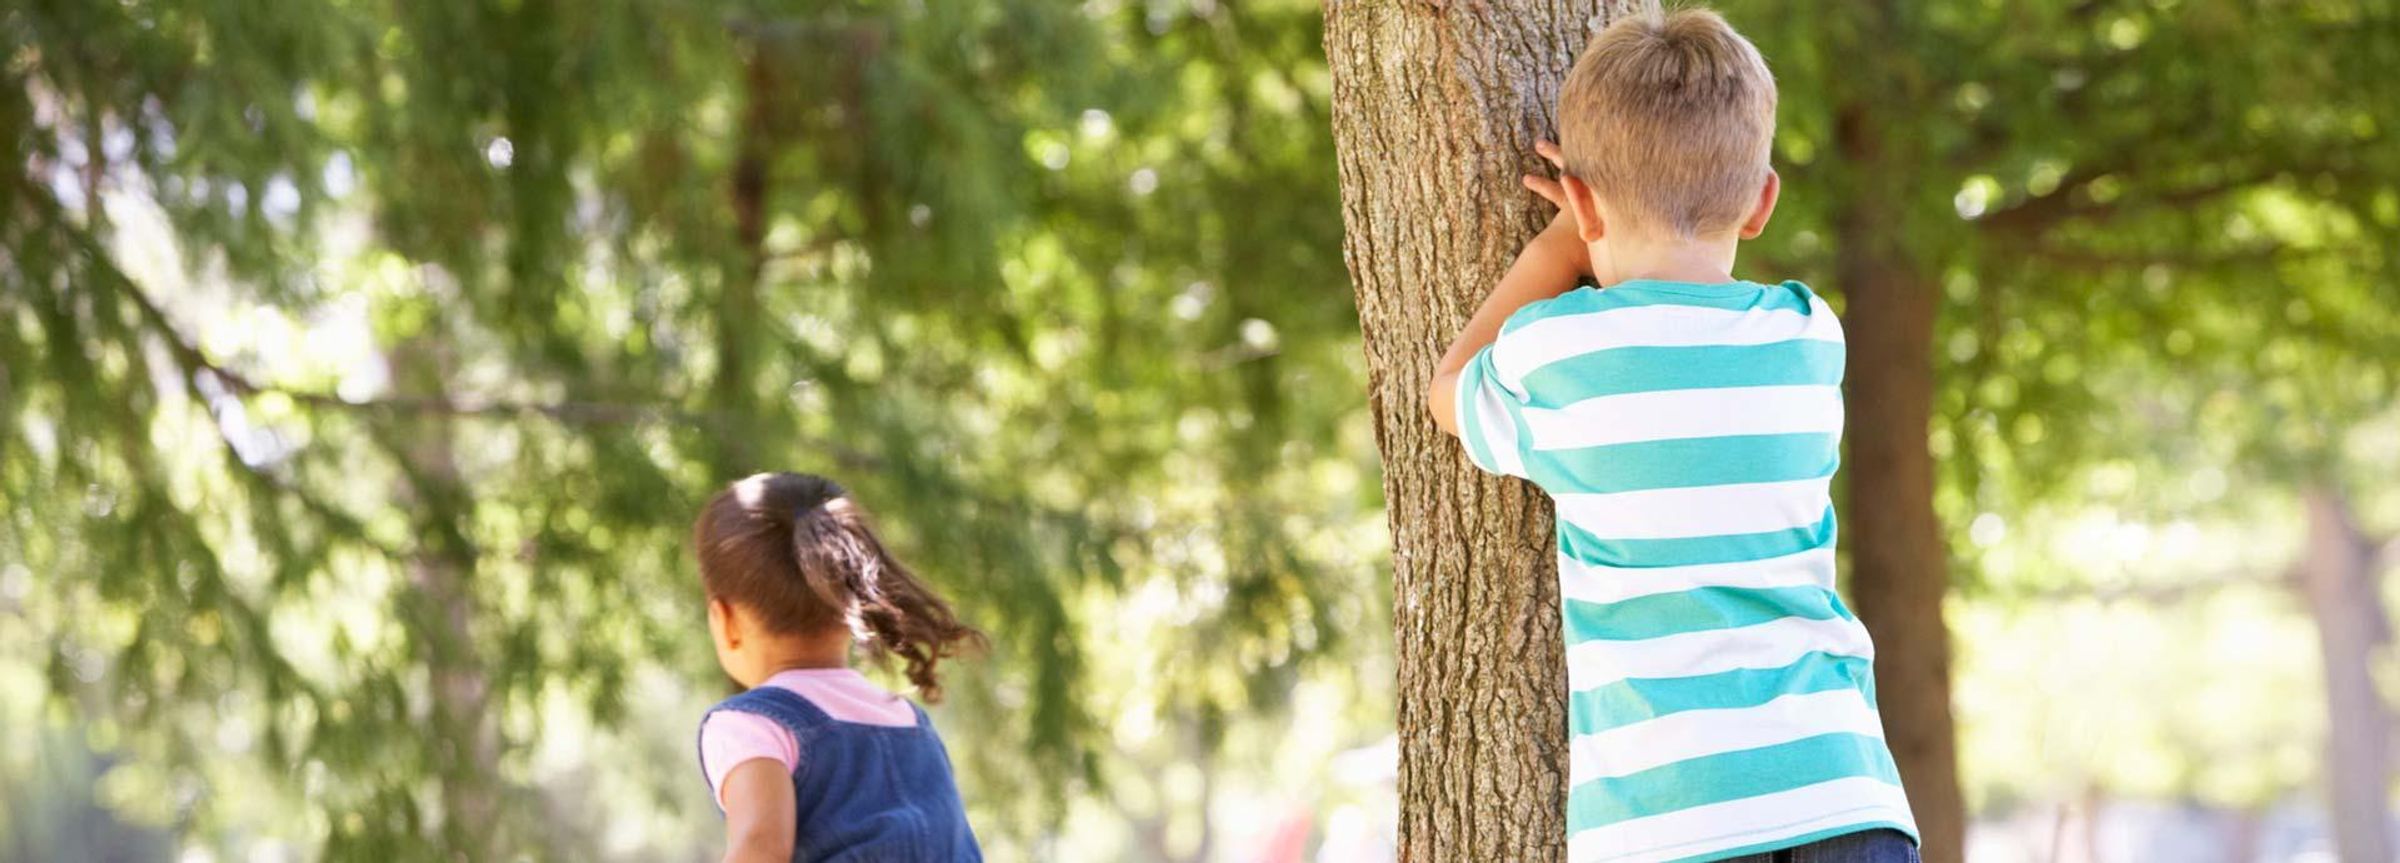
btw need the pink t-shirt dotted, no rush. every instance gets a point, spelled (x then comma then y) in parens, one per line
(730, 737)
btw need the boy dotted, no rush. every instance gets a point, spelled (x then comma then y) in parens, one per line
(1687, 425)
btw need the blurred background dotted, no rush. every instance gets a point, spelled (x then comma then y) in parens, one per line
(362, 363)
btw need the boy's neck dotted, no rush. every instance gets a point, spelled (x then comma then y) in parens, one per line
(1699, 260)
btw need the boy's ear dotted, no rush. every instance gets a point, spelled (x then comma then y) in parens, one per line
(1585, 207)
(1765, 209)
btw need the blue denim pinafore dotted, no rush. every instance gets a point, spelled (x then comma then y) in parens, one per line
(866, 793)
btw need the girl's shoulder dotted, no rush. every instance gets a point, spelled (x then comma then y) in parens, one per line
(837, 695)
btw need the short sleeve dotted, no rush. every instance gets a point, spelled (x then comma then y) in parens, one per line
(1491, 420)
(730, 737)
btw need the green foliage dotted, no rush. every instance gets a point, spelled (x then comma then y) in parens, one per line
(2162, 231)
(361, 362)
(2113, 196)
(468, 305)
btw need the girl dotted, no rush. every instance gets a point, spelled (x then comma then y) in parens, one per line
(814, 763)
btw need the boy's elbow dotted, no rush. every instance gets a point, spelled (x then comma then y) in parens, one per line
(1441, 400)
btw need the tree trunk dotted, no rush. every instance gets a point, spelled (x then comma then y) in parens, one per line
(1435, 110)
(2243, 845)
(2338, 576)
(1899, 567)
(462, 740)
(738, 311)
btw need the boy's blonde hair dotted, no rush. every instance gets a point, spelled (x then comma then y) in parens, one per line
(1671, 116)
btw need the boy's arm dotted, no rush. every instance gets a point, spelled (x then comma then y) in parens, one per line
(1550, 265)
(758, 813)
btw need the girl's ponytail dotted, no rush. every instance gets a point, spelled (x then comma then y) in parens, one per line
(845, 576)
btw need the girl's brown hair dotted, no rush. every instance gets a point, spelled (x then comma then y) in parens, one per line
(798, 553)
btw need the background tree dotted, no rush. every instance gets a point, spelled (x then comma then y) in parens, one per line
(2004, 200)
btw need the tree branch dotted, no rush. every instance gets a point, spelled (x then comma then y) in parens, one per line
(193, 360)
(2041, 212)
(2090, 261)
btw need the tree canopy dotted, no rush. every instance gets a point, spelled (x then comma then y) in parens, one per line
(363, 362)
(356, 346)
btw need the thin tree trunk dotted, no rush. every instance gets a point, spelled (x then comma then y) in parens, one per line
(1435, 109)
(2059, 820)
(739, 311)
(2242, 845)
(2094, 802)
(462, 741)
(2338, 576)
(1899, 566)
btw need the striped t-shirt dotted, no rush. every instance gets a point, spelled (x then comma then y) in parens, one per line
(1722, 701)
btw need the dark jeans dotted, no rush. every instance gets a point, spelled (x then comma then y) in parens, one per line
(1871, 846)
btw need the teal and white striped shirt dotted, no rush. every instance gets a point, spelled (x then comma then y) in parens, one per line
(1722, 699)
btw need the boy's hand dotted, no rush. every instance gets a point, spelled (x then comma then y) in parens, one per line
(1550, 265)
(1559, 242)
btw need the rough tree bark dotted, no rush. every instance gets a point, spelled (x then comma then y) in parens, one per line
(2338, 576)
(1435, 110)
